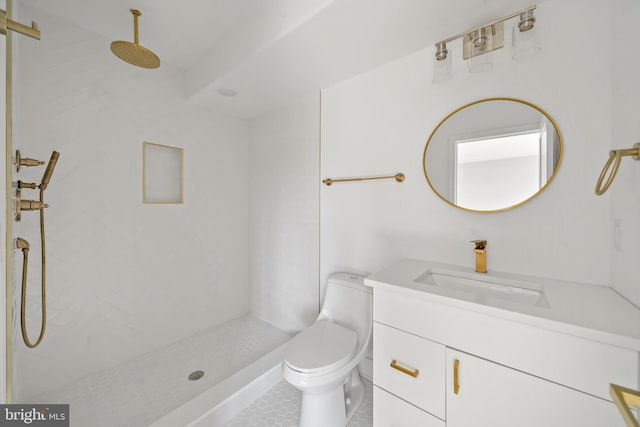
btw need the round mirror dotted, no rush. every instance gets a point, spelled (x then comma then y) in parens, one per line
(493, 154)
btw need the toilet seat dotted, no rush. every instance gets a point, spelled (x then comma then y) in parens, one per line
(321, 347)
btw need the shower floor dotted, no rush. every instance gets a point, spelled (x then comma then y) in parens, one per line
(138, 392)
(280, 407)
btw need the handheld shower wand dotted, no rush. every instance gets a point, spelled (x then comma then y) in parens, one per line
(24, 245)
(49, 171)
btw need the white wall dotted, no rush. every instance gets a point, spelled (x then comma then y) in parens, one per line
(378, 123)
(284, 214)
(623, 194)
(123, 277)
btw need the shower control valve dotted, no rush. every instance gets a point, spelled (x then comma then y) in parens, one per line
(27, 205)
(32, 205)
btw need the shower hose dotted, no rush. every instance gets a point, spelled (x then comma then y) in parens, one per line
(23, 303)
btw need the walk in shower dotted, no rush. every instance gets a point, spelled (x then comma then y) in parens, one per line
(148, 304)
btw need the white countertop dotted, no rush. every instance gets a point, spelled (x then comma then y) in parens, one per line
(592, 312)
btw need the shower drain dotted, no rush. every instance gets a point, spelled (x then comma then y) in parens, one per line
(196, 375)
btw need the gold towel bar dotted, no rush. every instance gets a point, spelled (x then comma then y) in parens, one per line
(625, 398)
(615, 156)
(398, 177)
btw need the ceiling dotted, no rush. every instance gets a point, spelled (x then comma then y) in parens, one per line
(269, 51)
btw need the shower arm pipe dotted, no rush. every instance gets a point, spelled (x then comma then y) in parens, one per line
(8, 24)
(490, 24)
(399, 177)
(135, 13)
(615, 157)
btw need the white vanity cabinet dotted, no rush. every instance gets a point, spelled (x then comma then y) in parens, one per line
(489, 394)
(512, 368)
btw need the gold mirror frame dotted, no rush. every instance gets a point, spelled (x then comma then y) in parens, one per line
(553, 175)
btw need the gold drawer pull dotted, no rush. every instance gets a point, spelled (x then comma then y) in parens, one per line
(456, 384)
(404, 370)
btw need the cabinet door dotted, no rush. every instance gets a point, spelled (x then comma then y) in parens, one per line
(391, 411)
(493, 395)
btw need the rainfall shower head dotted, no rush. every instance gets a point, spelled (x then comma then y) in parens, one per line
(49, 171)
(133, 53)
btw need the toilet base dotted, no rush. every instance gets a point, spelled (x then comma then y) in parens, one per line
(354, 395)
(332, 407)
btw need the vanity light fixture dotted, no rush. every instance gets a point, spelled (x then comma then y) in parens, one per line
(525, 36)
(479, 42)
(478, 46)
(441, 64)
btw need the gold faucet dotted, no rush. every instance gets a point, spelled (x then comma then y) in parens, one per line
(481, 255)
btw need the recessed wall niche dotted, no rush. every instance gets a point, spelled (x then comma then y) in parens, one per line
(162, 174)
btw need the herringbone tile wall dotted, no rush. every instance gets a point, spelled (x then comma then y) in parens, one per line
(123, 277)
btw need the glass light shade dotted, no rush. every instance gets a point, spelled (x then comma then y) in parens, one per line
(480, 46)
(441, 69)
(525, 43)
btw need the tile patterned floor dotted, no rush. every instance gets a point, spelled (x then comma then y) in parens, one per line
(280, 407)
(139, 391)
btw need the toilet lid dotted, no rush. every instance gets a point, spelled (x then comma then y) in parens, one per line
(322, 346)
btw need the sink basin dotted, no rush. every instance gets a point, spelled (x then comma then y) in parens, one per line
(485, 289)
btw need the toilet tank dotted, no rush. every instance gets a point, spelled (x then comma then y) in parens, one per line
(349, 303)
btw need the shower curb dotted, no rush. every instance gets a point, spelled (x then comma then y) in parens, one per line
(226, 399)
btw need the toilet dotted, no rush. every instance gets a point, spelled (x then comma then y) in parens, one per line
(322, 360)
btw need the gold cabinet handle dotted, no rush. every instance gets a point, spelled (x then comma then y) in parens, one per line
(414, 374)
(456, 384)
